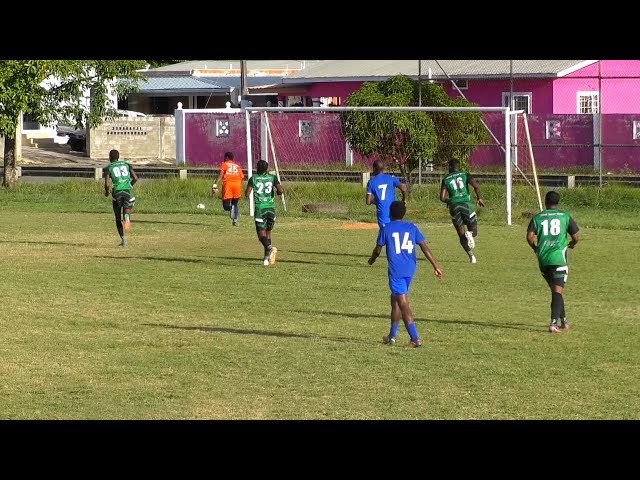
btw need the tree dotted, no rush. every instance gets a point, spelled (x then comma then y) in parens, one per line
(405, 138)
(53, 91)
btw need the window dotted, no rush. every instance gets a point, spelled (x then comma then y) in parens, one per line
(461, 84)
(520, 101)
(553, 130)
(330, 101)
(636, 129)
(588, 102)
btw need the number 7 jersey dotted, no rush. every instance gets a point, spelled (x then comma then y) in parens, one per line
(400, 240)
(551, 227)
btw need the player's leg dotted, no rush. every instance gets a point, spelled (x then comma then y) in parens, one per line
(396, 315)
(226, 205)
(471, 220)
(400, 290)
(263, 236)
(269, 217)
(556, 278)
(127, 205)
(234, 211)
(117, 212)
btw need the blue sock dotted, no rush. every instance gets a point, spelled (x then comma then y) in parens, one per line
(413, 333)
(394, 330)
(235, 212)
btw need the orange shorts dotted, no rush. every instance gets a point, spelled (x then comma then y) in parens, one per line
(231, 190)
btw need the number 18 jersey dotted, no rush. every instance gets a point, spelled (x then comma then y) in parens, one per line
(551, 227)
(400, 240)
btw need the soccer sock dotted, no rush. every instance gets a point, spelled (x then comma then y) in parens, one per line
(236, 212)
(126, 217)
(393, 331)
(464, 243)
(413, 333)
(557, 302)
(120, 228)
(265, 241)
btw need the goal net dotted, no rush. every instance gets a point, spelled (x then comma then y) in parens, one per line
(307, 148)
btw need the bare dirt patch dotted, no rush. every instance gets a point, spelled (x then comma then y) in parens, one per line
(359, 226)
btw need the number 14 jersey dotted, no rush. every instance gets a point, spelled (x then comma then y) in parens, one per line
(400, 239)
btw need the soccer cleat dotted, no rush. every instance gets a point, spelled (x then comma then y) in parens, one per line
(272, 255)
(127, 225)
(234, 223)
(388, 340)
(123, 242)
(415, 343)
(470, 240)
(265, 262)
(553, 328)
(472, 257)
(564, 325)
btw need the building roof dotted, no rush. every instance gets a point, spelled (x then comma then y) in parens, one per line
(365, 70)
(181, 84)
(191, 65)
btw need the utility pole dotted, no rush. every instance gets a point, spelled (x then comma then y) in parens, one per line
(244, 90)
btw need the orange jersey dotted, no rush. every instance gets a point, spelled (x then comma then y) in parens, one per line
(231, 173)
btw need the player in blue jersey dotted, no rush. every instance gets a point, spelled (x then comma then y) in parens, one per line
(381, 191)
(400, 239)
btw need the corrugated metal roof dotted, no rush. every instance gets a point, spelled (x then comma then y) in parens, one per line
(196, 84)
(377, 69)
(234, 64)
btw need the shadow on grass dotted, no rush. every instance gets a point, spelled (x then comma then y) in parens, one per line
(258, 261)
(38, 242)
(365, 255)
(162, 222)
(155, 259)
(515, 326)
(237, 331)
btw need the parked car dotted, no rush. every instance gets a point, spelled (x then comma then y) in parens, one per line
(77, 137)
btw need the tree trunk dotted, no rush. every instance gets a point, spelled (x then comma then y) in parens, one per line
(10, 172)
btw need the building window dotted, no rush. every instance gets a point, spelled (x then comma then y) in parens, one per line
(222, 127)
(462, 84)
(329, 101)
(519, 101)
(636, 129)
(304, 128)
(588, 102)
(553, 130)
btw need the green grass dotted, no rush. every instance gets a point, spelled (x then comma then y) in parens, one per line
(185, 323)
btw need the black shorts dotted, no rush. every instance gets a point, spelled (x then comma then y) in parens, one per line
(265, 219)
(462, 213)
(555, 275)
(123, 199)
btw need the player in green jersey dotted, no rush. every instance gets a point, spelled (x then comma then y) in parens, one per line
(547, 236)
(122, 177)
(454, 191)
(264, 186)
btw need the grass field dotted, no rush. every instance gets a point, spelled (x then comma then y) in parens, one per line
(185, 323)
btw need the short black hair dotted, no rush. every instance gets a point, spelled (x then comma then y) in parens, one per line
(378, 166)
(228, 155)
(552, 198)
(454, 165)
(114, 155)
(262, 166)
(397, 210)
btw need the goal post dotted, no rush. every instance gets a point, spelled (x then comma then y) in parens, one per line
(306, 144)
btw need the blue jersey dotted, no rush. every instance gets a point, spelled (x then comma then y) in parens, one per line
(383, 188)
(401, 239)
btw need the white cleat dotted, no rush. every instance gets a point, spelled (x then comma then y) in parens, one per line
(265, 262)
(472, 258)
(470, 240)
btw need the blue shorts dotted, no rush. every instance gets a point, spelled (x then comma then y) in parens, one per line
(400, 286)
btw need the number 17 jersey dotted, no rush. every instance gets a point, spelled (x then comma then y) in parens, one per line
(400, 240)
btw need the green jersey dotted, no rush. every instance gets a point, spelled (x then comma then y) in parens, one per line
(457, 184)
(264, 189)
(120, 173)
(551, 227)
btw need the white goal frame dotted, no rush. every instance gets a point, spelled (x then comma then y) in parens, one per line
(506, 146)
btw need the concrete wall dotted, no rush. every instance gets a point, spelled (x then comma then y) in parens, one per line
(151, 137)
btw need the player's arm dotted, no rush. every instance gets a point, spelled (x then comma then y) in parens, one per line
(134, 176)
(427, 253)
(444, 197)
(531, 236)
(476, 187)
(105, 174)
(279, 189)
(403, 189)
(573, 231)
(214, 187)
(375, 254)
(247, 191)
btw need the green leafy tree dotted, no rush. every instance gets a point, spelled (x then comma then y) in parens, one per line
(404, 138)
(52, 91)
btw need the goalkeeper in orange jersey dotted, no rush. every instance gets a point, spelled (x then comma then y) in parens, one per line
(231, 176)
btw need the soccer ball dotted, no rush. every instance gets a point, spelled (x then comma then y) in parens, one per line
(200, 206)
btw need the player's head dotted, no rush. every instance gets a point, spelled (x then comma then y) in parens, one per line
(454, 166)
(114, 155)
(262, 166)
(378, 166)
(228, 156)
(397, 210)
(551, 199)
